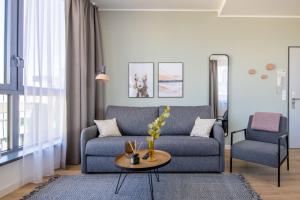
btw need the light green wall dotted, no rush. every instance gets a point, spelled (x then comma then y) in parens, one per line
(190, 37)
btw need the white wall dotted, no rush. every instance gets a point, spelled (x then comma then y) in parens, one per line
(191, 37)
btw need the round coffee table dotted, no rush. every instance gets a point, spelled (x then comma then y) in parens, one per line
(162, 158)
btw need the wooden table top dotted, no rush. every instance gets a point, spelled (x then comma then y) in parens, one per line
(162, 158)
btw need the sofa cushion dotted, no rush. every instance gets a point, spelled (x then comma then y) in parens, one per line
(182, 119)
(258, 152)
(107, 127)
(202, 127)
(188, 146)
(132, 120)
(266, 136)
(175, 145)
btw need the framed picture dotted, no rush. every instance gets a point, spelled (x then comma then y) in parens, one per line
(140, 80)
(170, 79)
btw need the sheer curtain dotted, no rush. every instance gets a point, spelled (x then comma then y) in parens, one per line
(44, 88)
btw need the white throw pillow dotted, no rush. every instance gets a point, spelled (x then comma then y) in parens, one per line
(107, 128)
(202, 127)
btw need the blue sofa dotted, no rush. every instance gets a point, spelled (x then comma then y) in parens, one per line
(189, 154)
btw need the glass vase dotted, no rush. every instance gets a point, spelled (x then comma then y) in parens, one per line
(151, 145)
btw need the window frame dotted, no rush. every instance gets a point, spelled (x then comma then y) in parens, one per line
(11, 41)
(15, 87)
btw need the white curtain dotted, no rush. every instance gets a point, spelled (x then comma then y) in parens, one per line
(44, 88)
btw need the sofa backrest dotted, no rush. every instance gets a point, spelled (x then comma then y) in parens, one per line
(132, 120)
(182, 119)
(265, 136)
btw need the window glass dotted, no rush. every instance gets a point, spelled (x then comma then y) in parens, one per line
(2, 40)
(21, 120)
(3, 122)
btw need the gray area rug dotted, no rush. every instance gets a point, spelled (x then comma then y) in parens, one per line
(171, 187)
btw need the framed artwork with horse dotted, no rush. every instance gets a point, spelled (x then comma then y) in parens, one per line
(140, 80)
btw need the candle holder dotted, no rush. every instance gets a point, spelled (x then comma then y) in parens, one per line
(135, 159)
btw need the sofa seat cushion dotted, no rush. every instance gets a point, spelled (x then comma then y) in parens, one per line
(258, 152)
(188, 146)
(175, 145)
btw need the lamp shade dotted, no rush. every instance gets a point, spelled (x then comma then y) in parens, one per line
(103, 77)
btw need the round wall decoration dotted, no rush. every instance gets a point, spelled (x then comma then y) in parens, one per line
(264, 76)
(251, 71)
(270, 66)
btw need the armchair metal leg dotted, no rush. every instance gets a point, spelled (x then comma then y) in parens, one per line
(230, 164)
(288, 153)
(288, 160)
(278, 176)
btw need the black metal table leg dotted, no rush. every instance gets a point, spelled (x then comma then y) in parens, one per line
(156, 174)
(120, 183)
(122, 179)
(151, 184)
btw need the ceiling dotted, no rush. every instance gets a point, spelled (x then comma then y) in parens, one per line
(225, 8)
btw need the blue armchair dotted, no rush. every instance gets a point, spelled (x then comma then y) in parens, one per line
(262, 147)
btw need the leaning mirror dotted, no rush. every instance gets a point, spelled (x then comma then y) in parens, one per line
(218, 88)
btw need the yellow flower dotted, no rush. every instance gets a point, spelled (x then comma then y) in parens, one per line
(155, 126)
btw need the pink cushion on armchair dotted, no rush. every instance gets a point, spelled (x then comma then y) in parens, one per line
(266, 121)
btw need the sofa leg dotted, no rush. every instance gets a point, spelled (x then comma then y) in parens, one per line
(278, 176)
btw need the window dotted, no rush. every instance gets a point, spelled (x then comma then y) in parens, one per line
(3, 123)
(11, 76)
(21, 120)
(2, 39)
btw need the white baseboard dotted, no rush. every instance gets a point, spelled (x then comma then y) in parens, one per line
(10, 189)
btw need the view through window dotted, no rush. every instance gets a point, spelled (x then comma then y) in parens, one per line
(3, 123)
(2, 39)
(21, 119)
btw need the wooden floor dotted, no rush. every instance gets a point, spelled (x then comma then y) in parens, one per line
(262, 179)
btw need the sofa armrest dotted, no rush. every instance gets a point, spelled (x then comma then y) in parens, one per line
(218, 134)
(86, 135)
